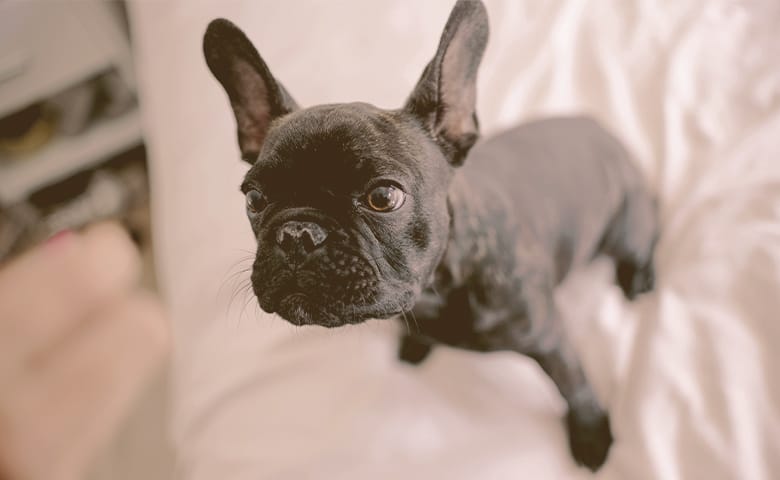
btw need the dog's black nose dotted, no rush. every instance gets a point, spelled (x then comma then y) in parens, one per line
(308, 235)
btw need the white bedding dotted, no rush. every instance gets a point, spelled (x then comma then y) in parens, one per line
(689, 372)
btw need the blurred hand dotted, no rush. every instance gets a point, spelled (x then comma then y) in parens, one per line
(77, 342)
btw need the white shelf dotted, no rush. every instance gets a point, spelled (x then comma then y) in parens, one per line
(50, 46)
(65, 156)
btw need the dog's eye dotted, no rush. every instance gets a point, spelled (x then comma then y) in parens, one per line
(255, 202)
(385, 198)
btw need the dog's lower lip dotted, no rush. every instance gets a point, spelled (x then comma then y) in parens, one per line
(298, 301)
(294, 296)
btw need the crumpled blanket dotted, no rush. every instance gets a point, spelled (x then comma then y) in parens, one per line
(689, 371)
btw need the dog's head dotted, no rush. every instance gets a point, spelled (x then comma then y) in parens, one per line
(348, 202)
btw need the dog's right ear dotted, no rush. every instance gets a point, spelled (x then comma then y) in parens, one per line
(256, 97)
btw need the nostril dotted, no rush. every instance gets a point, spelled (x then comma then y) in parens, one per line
(285, 240)
(307, 243)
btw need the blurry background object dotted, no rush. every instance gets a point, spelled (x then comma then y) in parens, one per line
(66, 64)
(109, 194)
(71, 155)
(25, 130)
(79, 340)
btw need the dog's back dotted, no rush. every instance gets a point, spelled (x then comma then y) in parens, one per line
(564, 184)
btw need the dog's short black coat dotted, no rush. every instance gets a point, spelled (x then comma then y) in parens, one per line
(363, 213)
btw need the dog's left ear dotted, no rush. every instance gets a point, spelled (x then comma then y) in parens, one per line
(255, 95)
(446, 95)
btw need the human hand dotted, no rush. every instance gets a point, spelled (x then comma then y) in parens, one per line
(77, 341)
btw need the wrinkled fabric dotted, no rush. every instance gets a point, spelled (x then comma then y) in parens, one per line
(688, 372)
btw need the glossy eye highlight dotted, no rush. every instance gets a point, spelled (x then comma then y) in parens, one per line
(385, 198)
(255, 202)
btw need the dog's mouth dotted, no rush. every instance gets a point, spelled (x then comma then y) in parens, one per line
(302, 304)
(330, 289)
(301, 308)
(298, 309)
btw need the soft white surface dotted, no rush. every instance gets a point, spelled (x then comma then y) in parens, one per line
(688, 372)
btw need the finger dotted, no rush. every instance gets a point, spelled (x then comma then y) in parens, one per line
(72, 400)
(46, 292)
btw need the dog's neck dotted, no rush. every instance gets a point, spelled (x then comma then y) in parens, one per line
(472, 232)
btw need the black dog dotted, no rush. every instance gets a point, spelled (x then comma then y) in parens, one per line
(361, 213)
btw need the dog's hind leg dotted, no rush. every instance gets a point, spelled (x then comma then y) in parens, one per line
(631, 241)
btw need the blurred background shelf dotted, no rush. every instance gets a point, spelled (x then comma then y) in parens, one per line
(46, 48)
(51, 46)
(66, 155)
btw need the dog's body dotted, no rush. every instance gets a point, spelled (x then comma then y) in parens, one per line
(360, 213)
(511, 241)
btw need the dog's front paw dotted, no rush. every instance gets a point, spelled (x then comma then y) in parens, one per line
(412, 350)
(589, 439)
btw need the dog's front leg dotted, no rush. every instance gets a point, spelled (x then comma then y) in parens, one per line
(539, 334)
(413, 349)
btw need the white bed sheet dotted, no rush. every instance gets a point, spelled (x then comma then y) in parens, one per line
(689, 372)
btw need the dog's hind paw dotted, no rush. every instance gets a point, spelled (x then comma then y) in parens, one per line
(633, 279)
(589, 439)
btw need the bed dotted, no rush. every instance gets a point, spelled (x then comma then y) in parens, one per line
(689, 372)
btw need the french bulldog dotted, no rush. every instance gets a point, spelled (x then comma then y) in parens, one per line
(363, 213)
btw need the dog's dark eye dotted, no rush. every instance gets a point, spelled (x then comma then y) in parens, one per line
(255, 202)
(385, 198)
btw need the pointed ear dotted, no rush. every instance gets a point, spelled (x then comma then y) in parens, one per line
(256, 97)
(446, 95)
